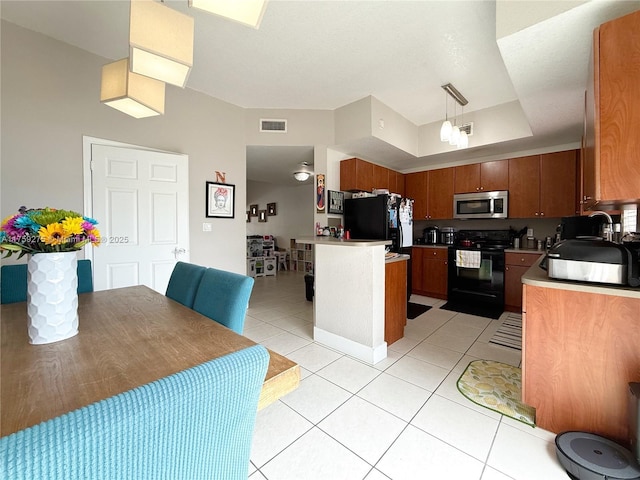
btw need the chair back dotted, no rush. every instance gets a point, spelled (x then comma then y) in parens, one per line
(85, 276)
(184, 282)
(14, 281)
(197, 423)
(224, 297)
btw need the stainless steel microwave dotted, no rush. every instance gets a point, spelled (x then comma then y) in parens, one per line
(481, 205)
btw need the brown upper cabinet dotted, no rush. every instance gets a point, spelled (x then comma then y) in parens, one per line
(359, 175)
(482, 177)
(611, 168)
(543, 185)
(356, 175)
(415, 186)
(432, 192)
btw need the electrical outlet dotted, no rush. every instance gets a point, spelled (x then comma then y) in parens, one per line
(206, 227)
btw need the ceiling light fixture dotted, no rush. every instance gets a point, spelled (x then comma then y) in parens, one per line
(445, 130)
(448, 132)
(161, 42)
(247, 12)
(463, 139)
(303, 173)
(301, 176)
(133, 94)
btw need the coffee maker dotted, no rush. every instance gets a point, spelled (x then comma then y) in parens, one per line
(431, 235)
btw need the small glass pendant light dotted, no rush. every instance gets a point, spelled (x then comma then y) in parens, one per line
(445, 130)
(463, 140)
(455, 135)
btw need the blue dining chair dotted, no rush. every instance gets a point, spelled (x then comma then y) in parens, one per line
(197, 423)
(13, 281)
(184, 282)
(224, 297)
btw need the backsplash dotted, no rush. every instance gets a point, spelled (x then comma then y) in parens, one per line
(542, 227)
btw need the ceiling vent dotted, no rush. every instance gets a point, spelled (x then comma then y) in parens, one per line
(273, 125)
(467, 127)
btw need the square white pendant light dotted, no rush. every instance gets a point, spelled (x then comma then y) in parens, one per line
(161, 42)
(247, 12)
(133, 94)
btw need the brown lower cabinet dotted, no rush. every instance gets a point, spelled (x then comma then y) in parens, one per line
(429, 271)
(515, 265)
(395, 300)
(580, 351)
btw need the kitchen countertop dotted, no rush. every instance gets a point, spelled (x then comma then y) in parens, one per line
(524, 250)
(397, 258)
(538, 277)
(342, 242)
(437, 245)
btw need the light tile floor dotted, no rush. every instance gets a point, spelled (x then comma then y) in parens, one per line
(402, 418)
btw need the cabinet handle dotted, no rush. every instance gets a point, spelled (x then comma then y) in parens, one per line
(435, 253)
(506, 269)
(477, 189)
(587, 197)
(537, 214)
(522, 259)
(542, 214)
(481, 188)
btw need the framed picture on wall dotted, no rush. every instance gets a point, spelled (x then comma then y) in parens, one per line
(271, 209)
(253, 210)
(220, 202)
(262, 215)
(336, 202)
(320, 197)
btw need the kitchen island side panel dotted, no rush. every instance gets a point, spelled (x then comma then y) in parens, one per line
(349, 299)
(581, 350)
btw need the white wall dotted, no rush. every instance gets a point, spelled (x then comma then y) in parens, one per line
(50, 99)
(294, 207)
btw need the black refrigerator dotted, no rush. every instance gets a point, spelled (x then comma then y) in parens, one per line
(383, 217)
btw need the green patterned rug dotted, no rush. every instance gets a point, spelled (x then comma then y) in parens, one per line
(498, 387)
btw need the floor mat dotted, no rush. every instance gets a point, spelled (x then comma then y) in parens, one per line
(478, 310)
(498, 387)
(415, 310)
(509, 334)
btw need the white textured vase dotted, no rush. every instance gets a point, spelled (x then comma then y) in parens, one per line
(52, 297)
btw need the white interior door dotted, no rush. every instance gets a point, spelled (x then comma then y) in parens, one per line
(140, 199)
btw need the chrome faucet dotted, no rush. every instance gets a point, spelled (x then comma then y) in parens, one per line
(607, 230)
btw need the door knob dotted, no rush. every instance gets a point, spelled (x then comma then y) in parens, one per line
(177, 251)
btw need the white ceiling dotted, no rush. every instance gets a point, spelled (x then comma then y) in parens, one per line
(326, 54)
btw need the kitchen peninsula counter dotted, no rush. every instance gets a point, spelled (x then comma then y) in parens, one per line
(538, 277)
(349, 306)
(580, 351)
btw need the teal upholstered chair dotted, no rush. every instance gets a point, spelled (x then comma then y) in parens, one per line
(14, 281)
(224, 297)
(195, 424)
(184, 282)
(85, 276)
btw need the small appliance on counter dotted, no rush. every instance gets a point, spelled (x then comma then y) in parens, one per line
(431, 235)
(447, 235)
(592, 260)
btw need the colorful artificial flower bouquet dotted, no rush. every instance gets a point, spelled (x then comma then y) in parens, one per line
(45, 230)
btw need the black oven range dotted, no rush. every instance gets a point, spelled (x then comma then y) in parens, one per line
(476, 272)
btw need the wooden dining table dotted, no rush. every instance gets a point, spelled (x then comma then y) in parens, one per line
(127, 337)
